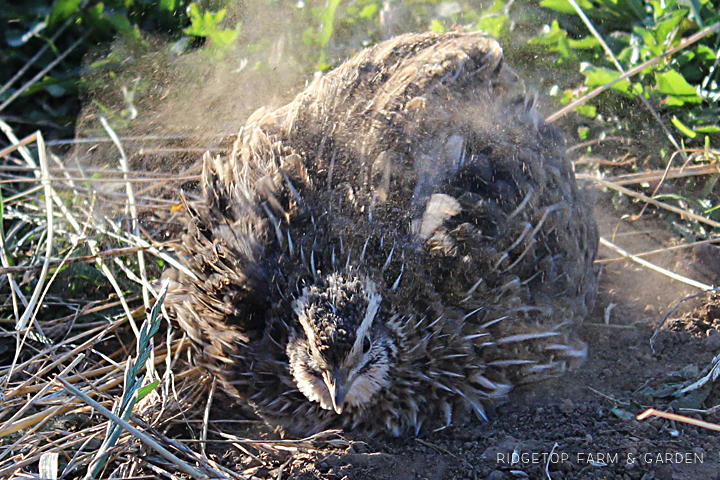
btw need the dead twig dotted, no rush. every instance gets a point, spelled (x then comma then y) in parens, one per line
(651, 412)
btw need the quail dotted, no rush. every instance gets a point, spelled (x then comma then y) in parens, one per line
(394, 250)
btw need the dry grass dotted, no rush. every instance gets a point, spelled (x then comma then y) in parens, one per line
(95, 380)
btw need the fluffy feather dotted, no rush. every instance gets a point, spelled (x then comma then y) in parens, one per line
(399, 245)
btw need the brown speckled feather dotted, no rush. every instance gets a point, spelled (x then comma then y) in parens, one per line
(418, 180)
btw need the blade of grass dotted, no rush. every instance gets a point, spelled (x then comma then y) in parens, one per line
(39, 395)
(142, 436)
(29, 312)
(45, 179)
(131, 205)
(106, 254)
(133, 382)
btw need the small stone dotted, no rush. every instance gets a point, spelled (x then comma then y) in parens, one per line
(567, 406)
(330, 461)
(634, 474)
(359, 447)
(496, 475)
(712, 343)
(664, 472)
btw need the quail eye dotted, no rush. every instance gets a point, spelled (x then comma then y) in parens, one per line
(366, 345)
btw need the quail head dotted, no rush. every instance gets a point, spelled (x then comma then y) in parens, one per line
(395, 249)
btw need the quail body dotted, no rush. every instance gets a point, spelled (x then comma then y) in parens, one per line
(395, 249)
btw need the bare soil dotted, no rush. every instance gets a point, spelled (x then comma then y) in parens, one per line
(586, 418)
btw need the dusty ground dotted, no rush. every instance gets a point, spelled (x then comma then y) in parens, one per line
(586, 418)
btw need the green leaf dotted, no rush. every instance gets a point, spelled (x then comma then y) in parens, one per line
(587, 43)
(597, 76)
(550, 35)
(123, 26)
(696, 8)
(666, 28)
(143, 391)
(588, 110)
(54, 86)
(556, 38)
(203, 24)
(437, 26)
(708, 129)
(677, 89)
(328, 23)
(493, 26)
(369, 11)
(649, 42)
(62, 10)
(684, 129)
(491, 21)
(102, 18)
(563, 6)
(672, 83)
(207, 24)
(168, 6)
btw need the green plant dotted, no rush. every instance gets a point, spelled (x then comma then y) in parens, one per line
(207, 25)
(684, 85)
(43, 47)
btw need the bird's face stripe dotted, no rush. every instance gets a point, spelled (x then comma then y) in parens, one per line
(373, 306)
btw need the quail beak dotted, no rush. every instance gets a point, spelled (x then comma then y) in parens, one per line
(336, 383)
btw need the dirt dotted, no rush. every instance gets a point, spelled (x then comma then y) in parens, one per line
(580, 426)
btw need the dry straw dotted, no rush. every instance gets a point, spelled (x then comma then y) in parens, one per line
(91, 384)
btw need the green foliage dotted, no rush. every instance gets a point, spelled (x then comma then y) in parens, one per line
(682, 86)
(614, 12)
(320, 37)
(32, 26)
(207, 24)
(678, 90)
(61, 11)
(493, 20)
(638, 31)
(133, 390)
